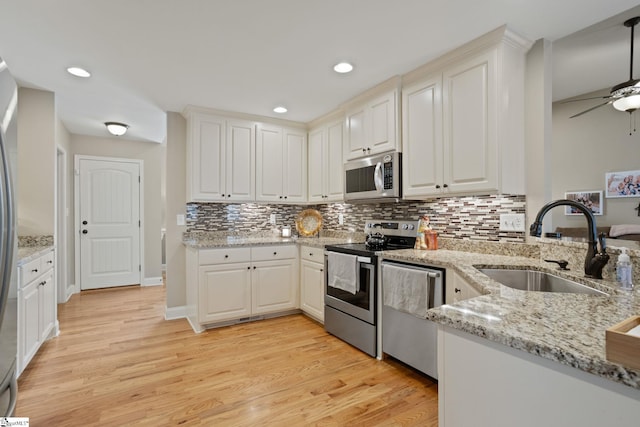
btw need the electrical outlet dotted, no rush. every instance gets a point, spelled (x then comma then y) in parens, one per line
(512, 222)
(272, 219)
(179, 219)
(341, 219)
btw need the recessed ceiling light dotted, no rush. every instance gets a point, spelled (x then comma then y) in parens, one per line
(280, 110)
(117, 129)
(343, 67)
(78, 72)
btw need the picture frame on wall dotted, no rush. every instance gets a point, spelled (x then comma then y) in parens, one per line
(591, 199)
(622, 184)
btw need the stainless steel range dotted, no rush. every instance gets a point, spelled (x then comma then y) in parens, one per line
(351, 281)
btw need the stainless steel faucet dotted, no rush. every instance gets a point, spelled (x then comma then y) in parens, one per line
(595, 260)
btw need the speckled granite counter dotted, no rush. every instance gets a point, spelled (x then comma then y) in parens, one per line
(32, 247)
(217, 240)
(566, 328)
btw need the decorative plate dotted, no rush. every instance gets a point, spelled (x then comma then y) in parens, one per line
(308, 222)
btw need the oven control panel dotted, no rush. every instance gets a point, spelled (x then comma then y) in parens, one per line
(387, 227)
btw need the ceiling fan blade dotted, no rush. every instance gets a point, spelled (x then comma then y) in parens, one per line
(585, 99)
(591, 109)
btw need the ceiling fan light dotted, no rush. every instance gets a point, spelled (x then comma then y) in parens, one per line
(628, 103)
(117, 129)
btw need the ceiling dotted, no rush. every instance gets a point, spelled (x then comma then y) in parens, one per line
(152, 56)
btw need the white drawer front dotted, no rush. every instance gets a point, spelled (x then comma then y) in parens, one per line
(312, 254)
(46, 261)
(267, 253)
(225, 255)
(30, 271)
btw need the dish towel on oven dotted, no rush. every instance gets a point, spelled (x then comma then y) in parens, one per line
(342, 271)
(405, 289)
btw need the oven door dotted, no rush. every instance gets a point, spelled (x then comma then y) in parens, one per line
(361, 304)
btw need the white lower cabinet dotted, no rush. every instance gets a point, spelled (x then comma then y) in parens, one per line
(36, 307)
(312, 282)
(235, 283)
(458, 289)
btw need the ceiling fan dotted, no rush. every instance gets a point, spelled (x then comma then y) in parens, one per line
(624, 96)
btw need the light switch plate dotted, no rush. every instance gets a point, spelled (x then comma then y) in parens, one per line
(512, 222)
(180, 219)
(272, 219)
(341, 219)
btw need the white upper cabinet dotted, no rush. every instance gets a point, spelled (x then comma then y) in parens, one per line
(422, 159)
(372, 122)
(325, 163)
(470, 127)
(220, 159)
(281, 166)
(463, 118)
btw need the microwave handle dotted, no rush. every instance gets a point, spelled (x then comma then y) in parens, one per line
(377, 177)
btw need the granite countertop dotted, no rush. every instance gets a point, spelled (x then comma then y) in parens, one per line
(566, 328)
(212, 241)
(28, 253)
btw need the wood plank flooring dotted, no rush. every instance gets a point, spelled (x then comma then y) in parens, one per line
(118, 362)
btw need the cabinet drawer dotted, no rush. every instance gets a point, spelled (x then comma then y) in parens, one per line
(267, 253)
(312, 254)
(226, 255)
(30, 271)
(46, 261)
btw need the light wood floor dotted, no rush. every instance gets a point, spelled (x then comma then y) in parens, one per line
(117, 362)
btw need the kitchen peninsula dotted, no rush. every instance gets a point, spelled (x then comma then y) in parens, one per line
(538, 357)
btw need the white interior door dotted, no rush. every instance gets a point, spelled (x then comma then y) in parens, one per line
(109, 223)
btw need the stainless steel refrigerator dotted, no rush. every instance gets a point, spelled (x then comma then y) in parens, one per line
(8, 243)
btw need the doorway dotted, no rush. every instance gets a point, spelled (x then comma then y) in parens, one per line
(108, 226)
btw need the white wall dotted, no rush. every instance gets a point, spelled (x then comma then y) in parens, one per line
(63, 141)
(538, 127)
(153, 155)
(176, 202)
(585, 148)
(36, 162)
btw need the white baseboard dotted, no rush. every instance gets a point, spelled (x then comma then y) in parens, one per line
(71, 289)
(151, 281)
(171, 313)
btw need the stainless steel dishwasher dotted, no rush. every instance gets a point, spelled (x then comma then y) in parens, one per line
(408, 291)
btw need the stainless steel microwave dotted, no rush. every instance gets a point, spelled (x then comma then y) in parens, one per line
(373, 179)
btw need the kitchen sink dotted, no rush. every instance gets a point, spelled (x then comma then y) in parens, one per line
(530, 280)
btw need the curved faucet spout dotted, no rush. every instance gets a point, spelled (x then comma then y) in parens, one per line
(595, 260)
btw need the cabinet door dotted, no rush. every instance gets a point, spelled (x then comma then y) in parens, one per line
(269, 164)
(312, 289)
(205, 158)
(422, 138)
(274, 286)
(225, 292)
(382, 124)
(240, 160)
(295, 165)
(316, 165)
(458, 289)
(29, 323)
(355, 145)
(47, 305)
(334, 164)
(470, 127)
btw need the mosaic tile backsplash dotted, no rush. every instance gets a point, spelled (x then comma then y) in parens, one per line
(476, 218)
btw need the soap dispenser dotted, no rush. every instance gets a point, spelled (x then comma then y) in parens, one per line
(623, 270)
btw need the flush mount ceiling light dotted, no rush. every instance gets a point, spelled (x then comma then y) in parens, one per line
(117, 129)
(280, 110)
(343, 67)
(78, 72)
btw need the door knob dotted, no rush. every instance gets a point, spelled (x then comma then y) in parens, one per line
(84, 231)
(84, 222)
